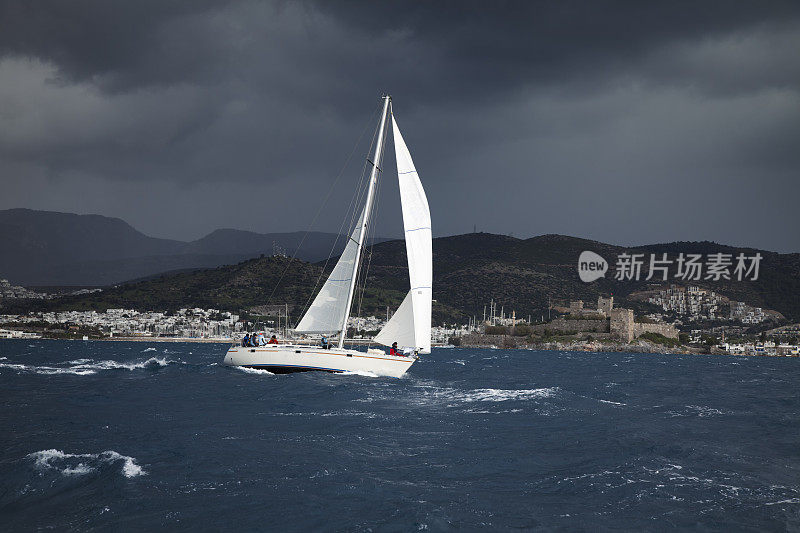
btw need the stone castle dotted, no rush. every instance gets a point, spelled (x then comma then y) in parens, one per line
(604, 322)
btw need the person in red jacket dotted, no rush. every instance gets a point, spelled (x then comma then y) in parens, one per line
(273, 340)
(393, 349)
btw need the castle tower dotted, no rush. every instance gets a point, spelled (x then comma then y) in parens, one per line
(605, 305)
(621, 324)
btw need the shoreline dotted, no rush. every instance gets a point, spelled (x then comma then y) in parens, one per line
(639, 347)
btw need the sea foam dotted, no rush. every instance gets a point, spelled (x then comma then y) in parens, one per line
(450, 396)
(85, 367)
(77, 464)
(364, 373)
(47, 370)
(255, 371)
(109, 364)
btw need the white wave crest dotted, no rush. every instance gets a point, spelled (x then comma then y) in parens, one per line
(255, 371)
(76, 464)
(148, 350)
(78, 470)
(790, 500)
(488, 412)
(364, 373)
(502, 395)
(704, 411)
(699, 411)
(432, 394)
(85, 367)
(612, 403)
(351, 413)
(110, 364)
(47, 370)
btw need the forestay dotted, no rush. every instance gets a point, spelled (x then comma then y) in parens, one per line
(327, 311)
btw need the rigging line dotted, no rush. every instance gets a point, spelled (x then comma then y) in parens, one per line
(368, 257)
(352, 209)
(359, 193)
(371, 230)
(361, 273)
(359, 199)
(319, 210)
(352, 206)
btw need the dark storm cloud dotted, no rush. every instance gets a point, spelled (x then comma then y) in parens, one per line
(123, 46)
(524, 117)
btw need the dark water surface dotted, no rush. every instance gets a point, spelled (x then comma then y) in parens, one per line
(143, 436)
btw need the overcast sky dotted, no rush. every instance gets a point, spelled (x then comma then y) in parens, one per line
(626, 122)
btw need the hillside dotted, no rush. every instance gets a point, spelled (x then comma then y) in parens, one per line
(469, 270)
(522, 274)
(49, 248)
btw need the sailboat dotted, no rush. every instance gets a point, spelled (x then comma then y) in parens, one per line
(328, 314)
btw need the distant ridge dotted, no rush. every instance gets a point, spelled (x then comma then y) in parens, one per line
(52, 248)
(469, 270)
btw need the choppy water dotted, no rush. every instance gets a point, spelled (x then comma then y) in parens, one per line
(159, 435)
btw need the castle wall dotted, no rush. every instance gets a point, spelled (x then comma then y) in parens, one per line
(666, 330)
(620, 325)
(576, 306)
(562, 325)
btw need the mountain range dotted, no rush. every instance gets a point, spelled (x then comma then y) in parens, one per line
(45, 248)
(524, 275)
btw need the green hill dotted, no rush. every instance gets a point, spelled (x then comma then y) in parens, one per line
(469, 270)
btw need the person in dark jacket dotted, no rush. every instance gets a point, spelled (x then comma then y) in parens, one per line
(246, 340)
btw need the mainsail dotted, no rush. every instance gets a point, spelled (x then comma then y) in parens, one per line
(410, 326)
(327, 311)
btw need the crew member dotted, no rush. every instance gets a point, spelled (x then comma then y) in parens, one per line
(246, 340)
(273, 340)
(393, 349)
(325, 344)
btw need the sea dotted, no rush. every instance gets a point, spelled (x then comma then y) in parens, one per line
(148, 436)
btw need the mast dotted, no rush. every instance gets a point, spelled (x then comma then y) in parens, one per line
(373, 178)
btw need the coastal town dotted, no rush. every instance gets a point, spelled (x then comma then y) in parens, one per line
(696, 304)
(576, 325)
(184, 324)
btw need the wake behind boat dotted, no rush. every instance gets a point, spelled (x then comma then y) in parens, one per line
(409, 327)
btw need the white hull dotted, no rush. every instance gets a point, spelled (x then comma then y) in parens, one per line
(286, 358)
